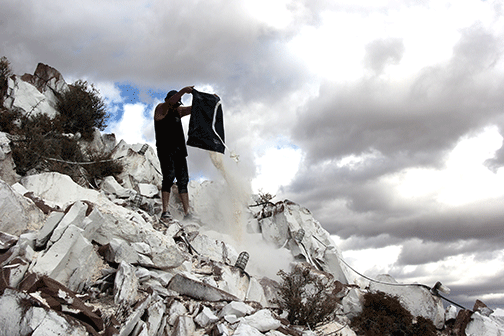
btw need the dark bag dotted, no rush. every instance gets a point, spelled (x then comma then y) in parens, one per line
(206, 126)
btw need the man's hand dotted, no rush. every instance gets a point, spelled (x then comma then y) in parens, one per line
(188, 89)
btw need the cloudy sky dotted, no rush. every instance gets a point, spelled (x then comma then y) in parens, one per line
(384, 118)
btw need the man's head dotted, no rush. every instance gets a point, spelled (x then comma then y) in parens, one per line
(171, 94)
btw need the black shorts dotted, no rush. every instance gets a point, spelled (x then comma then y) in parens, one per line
(173, 167)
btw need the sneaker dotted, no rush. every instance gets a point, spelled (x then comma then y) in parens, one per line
(166, 216)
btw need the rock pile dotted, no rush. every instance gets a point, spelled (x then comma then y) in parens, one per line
(79, 261)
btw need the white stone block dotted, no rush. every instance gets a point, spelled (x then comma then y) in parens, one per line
(262, 320)
(205, 317)
(236, 308)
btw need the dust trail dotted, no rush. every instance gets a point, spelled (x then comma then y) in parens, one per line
(239, 190)
(227, 211)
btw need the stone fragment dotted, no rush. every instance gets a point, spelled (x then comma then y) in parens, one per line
(255, 292)
(206, 317)
(132, 320)
(141, 168)
(13, 272)
(71, 260)
(18, 212)
(221, 329)
(246, 330)
(148, 190)
(59, 190)
(450, 313)
(19, 315)
(484, 325)
(125, 284)
(155, 313)
(46, 231)
(214, 249)
(48, 81)
(7, 240)
(7, 165)
(236, 308)
(198, 290)
(111, 185)
(352, 302)
(335, 328)
(176, 309)
(120, 251)
(184, 326)
(60, 298)
(26, 98)
(75, 216)
(482, 308)
(263, 320)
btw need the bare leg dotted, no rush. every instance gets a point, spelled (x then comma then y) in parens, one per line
(185, 202)
(165, 196)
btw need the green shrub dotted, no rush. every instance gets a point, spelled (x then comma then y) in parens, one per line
(384, 315)
(82, 109)
(308, 297)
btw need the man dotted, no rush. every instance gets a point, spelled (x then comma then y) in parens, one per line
(171, 148)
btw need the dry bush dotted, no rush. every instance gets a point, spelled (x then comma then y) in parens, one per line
(9, 120)
(82, 109)
(384, 315)
(5, 73)
(35, 144)
(102, 166)
(309, 298)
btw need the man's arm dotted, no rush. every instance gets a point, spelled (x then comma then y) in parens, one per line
(184, 110)
(177, 96)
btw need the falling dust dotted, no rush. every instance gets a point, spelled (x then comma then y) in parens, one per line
(230, 215)
(238, 193)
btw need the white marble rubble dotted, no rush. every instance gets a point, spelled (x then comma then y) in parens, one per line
(19, 213)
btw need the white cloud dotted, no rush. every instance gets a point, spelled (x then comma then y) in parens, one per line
(464, 178)
(276, 167)
(134, 126)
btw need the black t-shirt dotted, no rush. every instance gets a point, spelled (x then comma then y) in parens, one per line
(170, 134)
